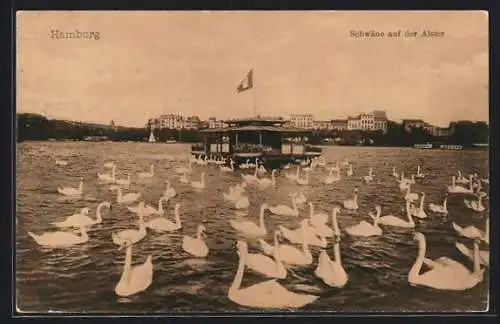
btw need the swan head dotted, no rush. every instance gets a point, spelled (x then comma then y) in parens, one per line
(274, 171)
(378, 209)
(418, 236)
(201, 230)
(106, 203)
(85, 211)
(127, 242)
(336, 209)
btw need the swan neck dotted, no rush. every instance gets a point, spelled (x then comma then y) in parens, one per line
(238, 278)
(127, 267)
(311, 210)
(335, 223)
(487, 229)
(408, 214)
(305, 246)
(261, 217)
(477, 265)
(422, 202)
(277, 256)
(98, 213)
(336, 252)
(415, 269)
(177, 216)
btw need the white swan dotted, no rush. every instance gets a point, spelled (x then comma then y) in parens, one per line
(169, 191)
(300, 198)
(199, 184)
(321, 229)
(61, 239)
(461, 179)
(411, 196)
(61, 163)
(484, 256)
(134, 279)
(73, 220)
(445, 273)
(147, 175)
(419, 212)
(127, 198)
(80, 219)
(265, 182)
(441, 209)
(185, 170)
(473, 232)
(123, 182)
(70, 191)
(183, 178)
(345, 162)
(130, 235)
(394, 173)
(369, 177)
(293, 176)
(242, 202)
(332, 178)
(476, 205)
(265, 265)
(319, 218)
(250, 177)
(297, 236)
(261, 169)
(365, 229)
(149, 210)
(196, 246)
(350, 171)
(352, 204)
(249, 228)
(245, 165)
(303, 181)
(391, 220)
(228, 169)
(284, 210)
(233, 194)
(162, 224)
(292, 255)
(268, 294)
(332, 273)
(419, 174)
(458, 189)
(109, 178)
(109, 164)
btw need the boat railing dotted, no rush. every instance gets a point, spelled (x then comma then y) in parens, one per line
(249, 148)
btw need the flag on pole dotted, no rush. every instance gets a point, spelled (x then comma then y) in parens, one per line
(247, 82)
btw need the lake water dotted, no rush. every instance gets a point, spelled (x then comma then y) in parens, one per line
(83, 278)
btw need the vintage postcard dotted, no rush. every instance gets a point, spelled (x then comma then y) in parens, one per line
(252, 161)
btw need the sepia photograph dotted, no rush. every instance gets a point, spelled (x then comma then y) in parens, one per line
(181, 162)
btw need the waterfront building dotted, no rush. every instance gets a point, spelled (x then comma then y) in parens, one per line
(304, 121)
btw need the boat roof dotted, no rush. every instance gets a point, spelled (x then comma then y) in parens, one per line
(250, 128)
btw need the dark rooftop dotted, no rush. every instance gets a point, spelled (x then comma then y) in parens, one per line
(250, 128)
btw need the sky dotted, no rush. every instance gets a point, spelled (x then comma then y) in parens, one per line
(146, 64)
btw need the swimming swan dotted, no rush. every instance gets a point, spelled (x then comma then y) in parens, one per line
(184, 170)
(196, 246)
(127, 198)
(61, 163)
(297, 236)
(445, 273)
(321, 229)
(391, 220)
(242, 202)
(130, 235)
(149, 210)
(147, 175)
(476, 205)
(484, 256)
(61, 239)
(303, 182)
(365, 229)
(249, 228)
(80, 219)
(352, 204)
(316, 219)
(199, 184)
(441, 209)
(419, 174)
(109, 178)
(419, 212)
(162, 224)
(350, 172)
(228, 169)
(284, 210)
(272, 268)
(459, 189)
(183, 178)
(332, 178)
(332, 273)
(170, 191)
(292, 176)
(369, 177)
(267, 294)
(411, 196)
(134, 279)
(250, 177)
(473, 232)
(461, 179)
(265, 182)
(70, 191)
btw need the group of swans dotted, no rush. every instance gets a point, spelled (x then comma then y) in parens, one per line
(236, 196)
(111, 178)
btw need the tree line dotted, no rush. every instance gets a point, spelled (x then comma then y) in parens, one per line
(38, 127)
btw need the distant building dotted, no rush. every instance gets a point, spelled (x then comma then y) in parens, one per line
(339, 124)
(413, 123)
(192, 122)
(322, 124)
(353, 123)
(302, 120)
(374, 121)
(215, 123)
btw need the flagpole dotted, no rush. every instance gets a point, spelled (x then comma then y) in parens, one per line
(254, 96)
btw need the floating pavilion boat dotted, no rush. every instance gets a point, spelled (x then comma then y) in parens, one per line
(268, 140)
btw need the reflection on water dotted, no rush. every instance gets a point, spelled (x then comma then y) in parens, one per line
(83, 278)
